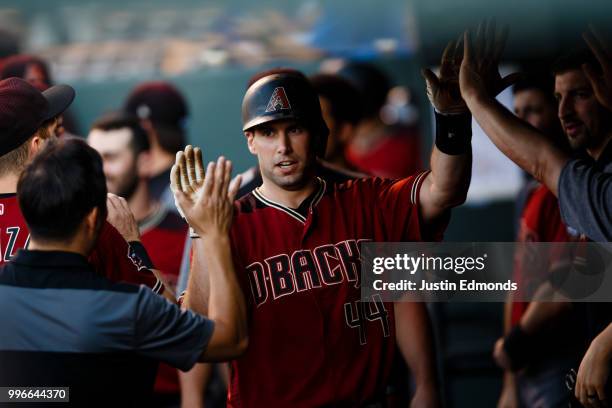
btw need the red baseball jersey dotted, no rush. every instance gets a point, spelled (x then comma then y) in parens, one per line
(111, 256)
(163, 235)
(540, 222)
(312, 342)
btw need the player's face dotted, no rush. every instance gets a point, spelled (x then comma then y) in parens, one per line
(118, 159)
(582, 117)
(532, 106)
(284, 152)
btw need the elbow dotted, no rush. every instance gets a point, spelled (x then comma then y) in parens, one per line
(237, 348)
(237, 341)
(453, 198)
(241, 346)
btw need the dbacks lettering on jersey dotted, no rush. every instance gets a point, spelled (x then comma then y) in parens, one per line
(284, 274)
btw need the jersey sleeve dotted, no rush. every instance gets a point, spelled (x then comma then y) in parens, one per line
(165, 332)
(398, 203)
(585, 194)
(113, 258)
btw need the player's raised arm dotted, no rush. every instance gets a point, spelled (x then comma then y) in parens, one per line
(451, 159)
(209, 209)
(522, 143)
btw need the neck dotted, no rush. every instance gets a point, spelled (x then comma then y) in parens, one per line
(140, 202)
(596, 151)
(76, 246)
(161, 160)
(288, 198)
(8, 183)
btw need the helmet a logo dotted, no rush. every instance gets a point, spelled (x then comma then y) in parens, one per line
(278, 100)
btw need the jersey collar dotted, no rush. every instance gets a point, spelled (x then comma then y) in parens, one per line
(310, 202)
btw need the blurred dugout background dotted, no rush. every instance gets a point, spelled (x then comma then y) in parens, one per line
(210, 49)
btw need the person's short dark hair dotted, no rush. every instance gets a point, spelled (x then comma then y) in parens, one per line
(119, 120)
(541, 82)
(342, 96)
(371, 82)
(60, 187)
(574, 59)
(164, 105)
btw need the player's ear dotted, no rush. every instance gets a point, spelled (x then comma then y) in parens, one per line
(91, 221)
(36, 144)
(250, 136)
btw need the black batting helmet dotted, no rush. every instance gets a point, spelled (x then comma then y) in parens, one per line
(286, 95)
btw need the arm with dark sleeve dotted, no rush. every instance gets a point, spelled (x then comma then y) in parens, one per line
(585, 199)
(415, 340)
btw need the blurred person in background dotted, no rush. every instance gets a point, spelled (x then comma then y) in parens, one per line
(36, 71)
(376, 148)
(28, 120)
(124, 147)
(163, 113)
(537, 372)
(340, 107)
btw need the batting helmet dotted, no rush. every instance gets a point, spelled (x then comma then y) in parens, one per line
(285, 96)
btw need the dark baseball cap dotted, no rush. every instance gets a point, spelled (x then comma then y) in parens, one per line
(23, 109)
(159, 102)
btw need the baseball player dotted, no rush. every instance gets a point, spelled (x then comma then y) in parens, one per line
(296, 242)
(28, 118)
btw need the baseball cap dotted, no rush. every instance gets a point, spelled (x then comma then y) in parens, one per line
(159, 102)
(23, 109)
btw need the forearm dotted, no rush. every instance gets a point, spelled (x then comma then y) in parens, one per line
(450, 176)
(193, 385)
(540, 316)
(198, 284)
(605, 339)
(226, 302)
(524, 145)
(415, 341)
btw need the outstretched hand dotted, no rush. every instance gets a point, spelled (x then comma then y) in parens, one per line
(479, 73)
(121, 217)
(443, 91)
(601, 81)
(205, 198)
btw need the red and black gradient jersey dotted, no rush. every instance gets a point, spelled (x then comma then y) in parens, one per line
(111, 257)
(312, 342)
